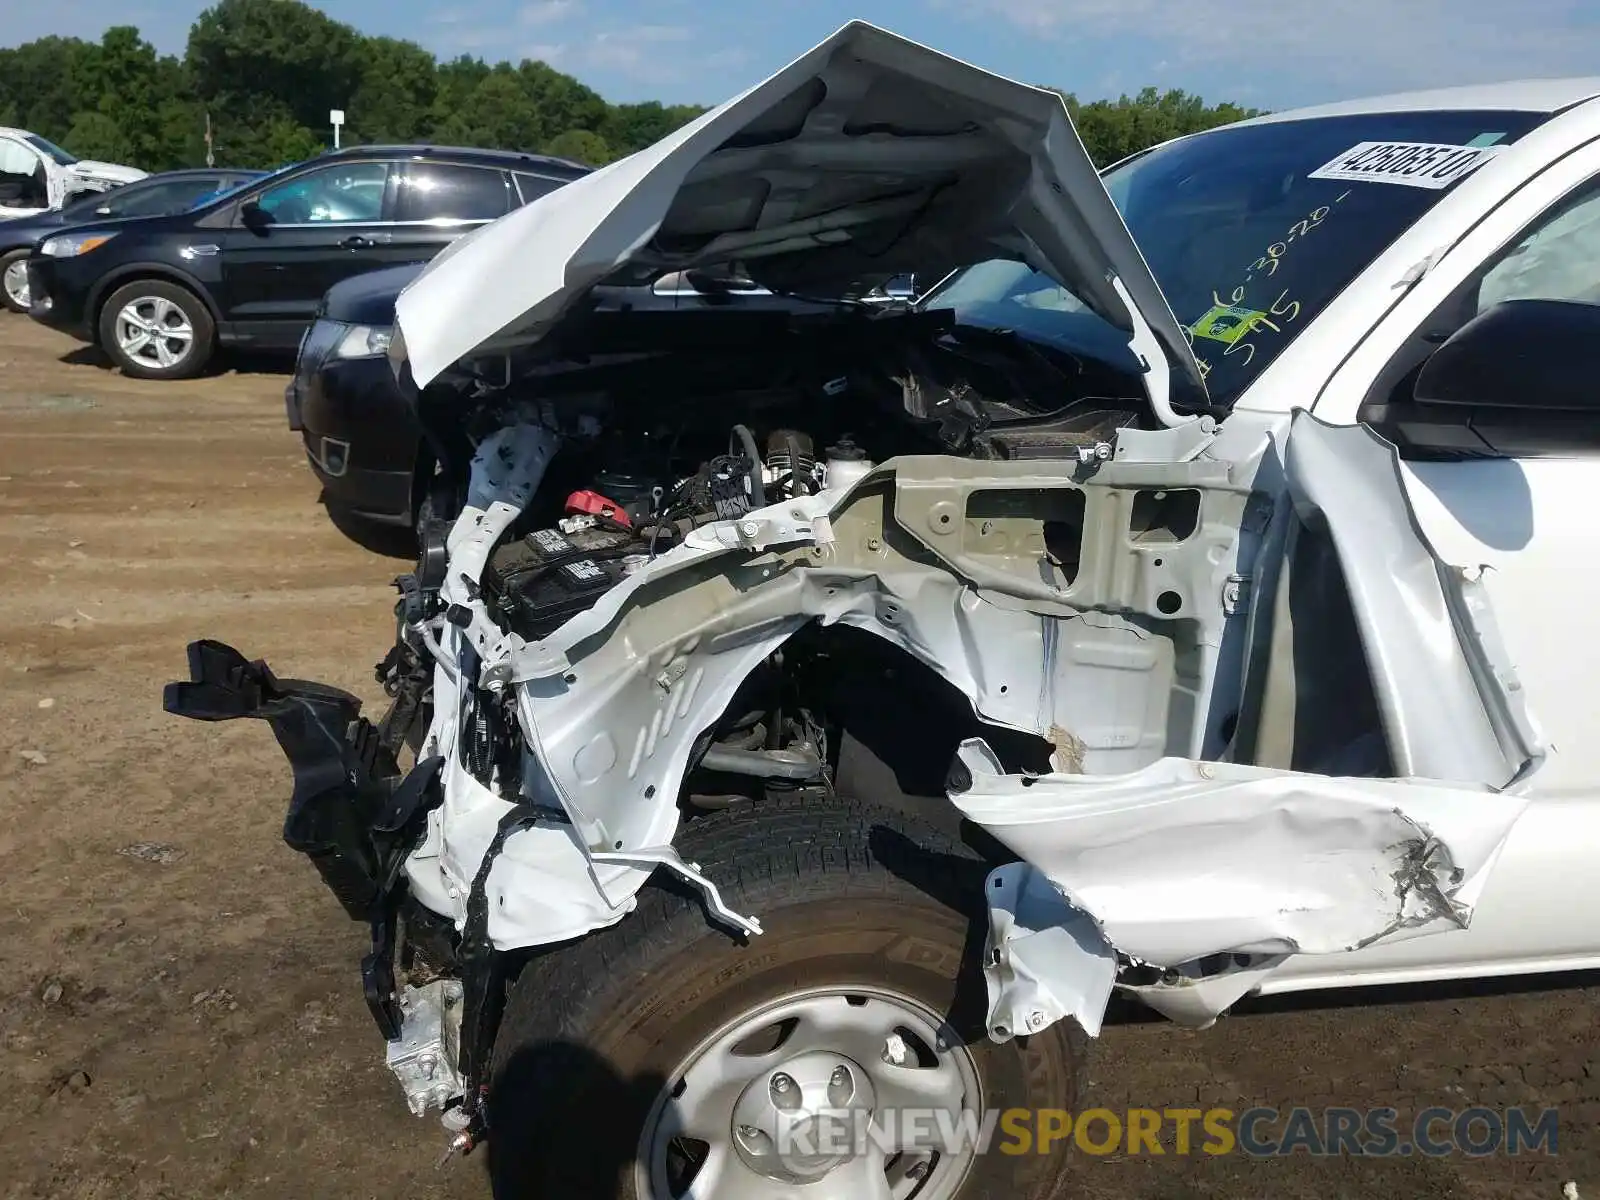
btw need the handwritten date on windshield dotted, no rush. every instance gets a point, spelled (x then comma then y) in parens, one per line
(1231, 321)
(1269, 262)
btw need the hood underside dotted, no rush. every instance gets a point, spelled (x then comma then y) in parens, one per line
(867, 156)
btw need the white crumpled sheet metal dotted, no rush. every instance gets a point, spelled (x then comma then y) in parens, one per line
(1186, 859)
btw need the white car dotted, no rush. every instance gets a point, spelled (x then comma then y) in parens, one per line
(1194, 598)
(36, 175)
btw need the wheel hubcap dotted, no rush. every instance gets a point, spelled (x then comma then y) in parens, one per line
(803, 1120)
(154, 332)
(855, 1094)
(16, 283)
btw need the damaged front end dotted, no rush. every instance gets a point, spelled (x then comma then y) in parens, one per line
(352, 813)
(1208, 684)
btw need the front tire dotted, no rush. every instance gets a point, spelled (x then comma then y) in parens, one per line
(633, 1061)
(14, 280)
(154, 329)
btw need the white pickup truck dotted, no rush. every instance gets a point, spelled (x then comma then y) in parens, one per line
(1191, 596)
(36, 175)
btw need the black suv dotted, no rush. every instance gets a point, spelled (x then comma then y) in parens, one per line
(161, 294)
(169, 192)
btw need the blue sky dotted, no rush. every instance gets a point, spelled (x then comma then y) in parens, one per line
(1267, 53)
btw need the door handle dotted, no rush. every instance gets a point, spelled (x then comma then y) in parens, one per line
(360, 241)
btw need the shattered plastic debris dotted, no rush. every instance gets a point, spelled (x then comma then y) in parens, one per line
(156, 852)
(1067, 757)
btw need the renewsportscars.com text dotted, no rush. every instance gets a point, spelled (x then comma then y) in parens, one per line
(1257, 1132)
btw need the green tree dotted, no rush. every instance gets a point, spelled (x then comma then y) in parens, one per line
(631, 127)
(284, 140)
(268, 71)
(1113, 129)
(500, 114)
(560, 100)
(95, 135)
(147, 98)
(451, 120)
(48, 81)
(258, 63)
(581, 145)
(394, 100)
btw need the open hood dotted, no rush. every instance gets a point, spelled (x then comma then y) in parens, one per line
(112, 174)
(867, 156)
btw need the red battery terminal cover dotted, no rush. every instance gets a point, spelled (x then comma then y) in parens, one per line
(596, 505)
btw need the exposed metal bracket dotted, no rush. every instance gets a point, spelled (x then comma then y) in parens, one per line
(1176, 444)
(1044, 959)
(424, 1056)
(666, 856)
(1236, 595)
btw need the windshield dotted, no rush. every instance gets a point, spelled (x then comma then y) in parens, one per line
(229, 192)
(222, 193)
(62, 158)
(1246, 243)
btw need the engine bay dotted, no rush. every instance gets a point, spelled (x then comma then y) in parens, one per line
(662, 432)
(627, 515)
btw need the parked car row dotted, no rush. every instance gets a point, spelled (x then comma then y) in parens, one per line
(177, 267)
(168, 192)
(161, 295)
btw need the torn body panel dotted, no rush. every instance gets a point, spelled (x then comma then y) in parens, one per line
(1187, 859)
(1451, 705)
(1218, 872)
(1094, 614)
(999, 576)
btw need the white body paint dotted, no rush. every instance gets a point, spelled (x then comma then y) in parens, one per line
(21, 156)
(1465, 866)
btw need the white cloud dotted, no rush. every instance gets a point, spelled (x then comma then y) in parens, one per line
(546, 12)
(646, 53)
(545, 52)
(1390, 44)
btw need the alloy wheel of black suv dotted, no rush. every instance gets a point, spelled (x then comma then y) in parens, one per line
(153, 329)
(14, 279)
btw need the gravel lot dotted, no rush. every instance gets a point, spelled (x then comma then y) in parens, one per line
(180, 1014)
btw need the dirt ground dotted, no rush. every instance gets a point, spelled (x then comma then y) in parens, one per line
(180, 1014)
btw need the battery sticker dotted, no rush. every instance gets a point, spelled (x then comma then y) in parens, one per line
(550, 541)
(585, 570)
(1226, 323)
(1410, 164)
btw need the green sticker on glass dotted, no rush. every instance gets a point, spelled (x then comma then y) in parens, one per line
(1226, 323)
(1485, 139)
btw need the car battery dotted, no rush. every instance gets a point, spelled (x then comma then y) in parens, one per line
(536, 583)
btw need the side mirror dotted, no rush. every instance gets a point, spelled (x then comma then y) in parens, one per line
(1525, 356)
(1519, 380)
(255, 218)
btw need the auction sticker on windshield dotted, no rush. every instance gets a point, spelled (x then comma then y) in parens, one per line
(1226, 323)
(1411, 164)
